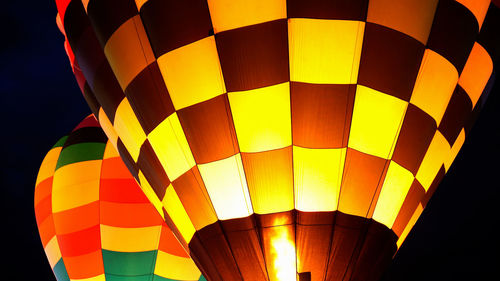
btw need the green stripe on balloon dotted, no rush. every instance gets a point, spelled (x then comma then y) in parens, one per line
(80, 152)
(129, 264)
(111, 277)
(60, 142)
(60, 271)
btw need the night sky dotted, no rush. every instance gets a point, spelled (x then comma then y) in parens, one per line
(40, 102)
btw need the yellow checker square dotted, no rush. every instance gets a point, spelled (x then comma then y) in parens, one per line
(48, 165)
(262, 118)
(172, 149)
(137, 239)
(227, 187)
(435, 84)
(192, 73)
(174, 208)
(150, 193)
(128, 51)
(176, 268)
(128, 129)
(67, 195)
(231, 14)
(434, 158)
(325, 51)
(107, 127)
(396, 185)
(317, 178)
(376, 122)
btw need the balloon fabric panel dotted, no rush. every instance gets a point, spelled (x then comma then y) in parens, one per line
(395, 113)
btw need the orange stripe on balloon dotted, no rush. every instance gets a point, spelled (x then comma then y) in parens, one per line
(46, 230)
(84, 266)
(129, 215)
(114, 168)
(43, 209)
(77, 219)
(81, 242)
(121, 190)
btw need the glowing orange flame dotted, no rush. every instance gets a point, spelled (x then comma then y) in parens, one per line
(283, 255)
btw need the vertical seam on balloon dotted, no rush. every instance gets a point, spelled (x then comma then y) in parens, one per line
(99, 208)
(294, 213)
(234, 138)
(52, 213)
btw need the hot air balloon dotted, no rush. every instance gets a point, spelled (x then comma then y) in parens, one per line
(285, 140)
(94, 221)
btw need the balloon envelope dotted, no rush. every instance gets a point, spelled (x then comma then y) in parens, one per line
(285, 138)
(94, 221)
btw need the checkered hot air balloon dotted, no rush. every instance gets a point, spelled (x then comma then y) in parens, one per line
(94, 221)
(285, 139)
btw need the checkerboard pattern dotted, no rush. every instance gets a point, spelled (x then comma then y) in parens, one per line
(222, 109)
(94, 221)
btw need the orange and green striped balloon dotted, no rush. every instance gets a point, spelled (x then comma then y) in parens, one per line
(94, 221)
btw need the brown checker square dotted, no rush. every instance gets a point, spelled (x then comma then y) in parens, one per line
(194, 197)
(172, 24)
(76, 22)
(153, 170)
(488, 36)
(149, 97)
(211, 245)
(91, 100)
(89, 55)
(321, 114)
(200, 256)
(457, 113)
(86, 135)
(107, 90)
(348, 233)
(410, 204)
(363, 174)
(209, 129)
(254, 56)
(414, 139)
(453, 32)
(469, 123)
(328, 9)
(244, 241)
(313, 232)
(390, 61)
(377, 250)
(127, 159)
(107, 16)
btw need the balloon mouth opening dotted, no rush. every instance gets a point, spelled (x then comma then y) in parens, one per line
(283, 253)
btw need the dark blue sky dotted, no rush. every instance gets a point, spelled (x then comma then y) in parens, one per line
(40, 102)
